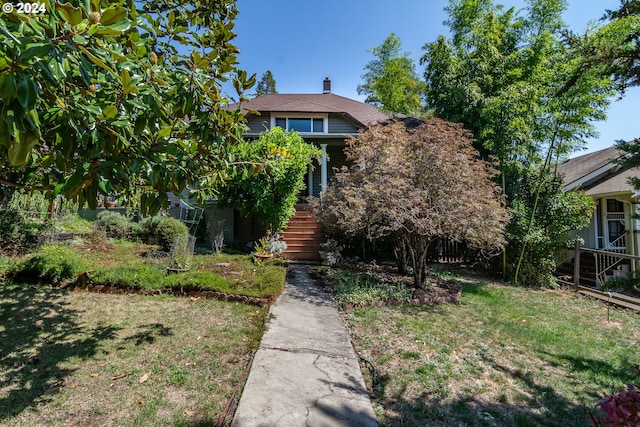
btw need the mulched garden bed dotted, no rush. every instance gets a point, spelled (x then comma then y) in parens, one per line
(438, 290)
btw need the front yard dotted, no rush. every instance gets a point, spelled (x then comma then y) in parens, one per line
(135, 353)
(79, 358)
(156, 351)
(503, 356)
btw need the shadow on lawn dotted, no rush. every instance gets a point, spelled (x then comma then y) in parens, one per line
(40, 332)
(542, 406)
(148, 334)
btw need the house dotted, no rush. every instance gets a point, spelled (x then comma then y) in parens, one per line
(613, 227)
(323, 119)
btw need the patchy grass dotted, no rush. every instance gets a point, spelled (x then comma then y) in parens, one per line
(352, 287)
(504, 356)
(134, 266)
(78, 358)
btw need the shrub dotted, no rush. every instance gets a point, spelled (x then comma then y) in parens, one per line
(12, 231)
(622, 408)
(623, 283)
(166, 229)
(114, 224)
(6, 265)
(51, 264)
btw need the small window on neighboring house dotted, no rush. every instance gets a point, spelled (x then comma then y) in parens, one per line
(301, 124)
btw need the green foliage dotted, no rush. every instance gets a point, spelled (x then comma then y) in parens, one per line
(51, 264)
(268, 177)
(391, 82)
(266, 84)
(357, 288)
(181, 253)
(631, 281)
(613, 49)
(167, 229)
(7, 264)
(35, 202)
(561, 213)
(143, 276)
(506, 77)
(93, 96)
(12, 231)
(114, 224)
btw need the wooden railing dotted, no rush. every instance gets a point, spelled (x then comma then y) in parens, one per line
(618, 245)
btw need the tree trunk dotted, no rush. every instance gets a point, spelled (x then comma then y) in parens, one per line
(417, 246)
(400, 252)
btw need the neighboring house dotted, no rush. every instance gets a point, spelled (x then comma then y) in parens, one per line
(613, 227)
(323, 119)
(607, 182)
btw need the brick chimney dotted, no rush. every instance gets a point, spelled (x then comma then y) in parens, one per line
(326, 85)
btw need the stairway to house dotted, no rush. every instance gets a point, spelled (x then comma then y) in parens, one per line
(587, 270)
(302, 235)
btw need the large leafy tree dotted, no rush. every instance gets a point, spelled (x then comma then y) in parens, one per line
(391, 82)
(268, 177)
(503, 75)
(416, 185)
(99, 96)
(614, 50)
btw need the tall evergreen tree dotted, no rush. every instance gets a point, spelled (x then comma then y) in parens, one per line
(267, 84)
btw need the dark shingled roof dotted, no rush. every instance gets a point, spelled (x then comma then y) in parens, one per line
(364, 114)
(608, 177)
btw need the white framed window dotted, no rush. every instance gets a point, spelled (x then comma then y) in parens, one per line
(301, 123)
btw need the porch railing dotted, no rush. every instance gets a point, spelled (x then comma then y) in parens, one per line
(619, 245)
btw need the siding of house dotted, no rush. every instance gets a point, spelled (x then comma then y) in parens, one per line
(338, 124)
(258, 124)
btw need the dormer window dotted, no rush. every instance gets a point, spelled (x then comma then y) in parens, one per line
(301, 123)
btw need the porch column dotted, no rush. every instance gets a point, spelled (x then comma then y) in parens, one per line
(323, 168)
(310, 180)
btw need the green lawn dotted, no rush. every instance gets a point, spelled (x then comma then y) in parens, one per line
(504, 356)
(132, 267)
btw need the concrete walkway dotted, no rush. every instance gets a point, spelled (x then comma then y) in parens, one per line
(305, 372)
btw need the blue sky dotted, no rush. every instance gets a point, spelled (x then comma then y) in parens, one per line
(304, 41)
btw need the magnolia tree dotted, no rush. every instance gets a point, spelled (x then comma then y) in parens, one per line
(417, 185)
(95, 96)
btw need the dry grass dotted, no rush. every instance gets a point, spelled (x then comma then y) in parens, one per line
(99, 360)
(504, 356)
